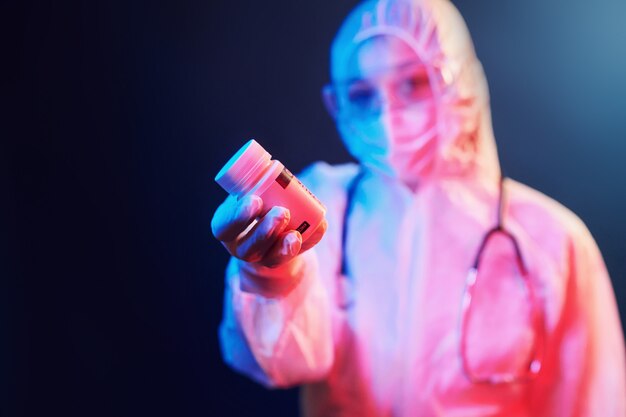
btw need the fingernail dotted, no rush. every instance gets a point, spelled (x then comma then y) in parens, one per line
(280, 216)
(290, 244)
(280, 211)
(285, 248)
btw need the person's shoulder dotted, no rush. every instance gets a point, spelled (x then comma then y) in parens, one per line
(544, 211)
(324, 176)
(329, 183)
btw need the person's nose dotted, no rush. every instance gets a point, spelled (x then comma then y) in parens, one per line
(388, 98)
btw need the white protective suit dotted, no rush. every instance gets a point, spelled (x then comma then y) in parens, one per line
(384, 340)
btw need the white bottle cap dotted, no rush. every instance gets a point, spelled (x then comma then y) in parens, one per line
(243, 170)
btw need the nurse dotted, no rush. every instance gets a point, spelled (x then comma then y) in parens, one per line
(439, 288)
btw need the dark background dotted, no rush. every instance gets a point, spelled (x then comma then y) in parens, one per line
(117, 115)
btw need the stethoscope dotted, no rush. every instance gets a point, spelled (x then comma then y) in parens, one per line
(534, 361)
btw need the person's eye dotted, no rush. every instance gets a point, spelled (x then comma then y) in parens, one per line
(361, 95)
(416, 86)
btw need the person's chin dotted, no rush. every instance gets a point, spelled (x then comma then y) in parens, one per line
(413, 166)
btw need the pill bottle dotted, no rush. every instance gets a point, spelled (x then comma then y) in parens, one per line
(252, 171)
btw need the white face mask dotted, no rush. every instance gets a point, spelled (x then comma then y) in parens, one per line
(401, 143)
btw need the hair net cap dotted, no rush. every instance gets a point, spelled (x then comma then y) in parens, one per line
(435, 30)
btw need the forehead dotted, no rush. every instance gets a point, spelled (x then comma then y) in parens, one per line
(377, 55)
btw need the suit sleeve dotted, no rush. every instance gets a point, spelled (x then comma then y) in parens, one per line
(281, 341)
(589, 373)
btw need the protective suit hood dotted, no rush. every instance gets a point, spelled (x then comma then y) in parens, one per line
(439, 36)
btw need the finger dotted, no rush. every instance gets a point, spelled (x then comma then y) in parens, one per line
(253, 245)
(284, 249)
(233, 216)
(315, 237)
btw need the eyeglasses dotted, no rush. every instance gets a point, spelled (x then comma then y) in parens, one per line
(404, 86)
(532, 364)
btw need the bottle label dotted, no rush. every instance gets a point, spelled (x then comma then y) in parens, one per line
(302, 228)
(284, 178)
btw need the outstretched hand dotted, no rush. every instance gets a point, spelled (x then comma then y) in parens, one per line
(257, 235)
